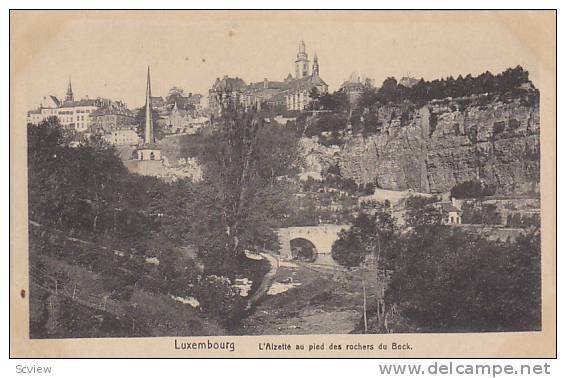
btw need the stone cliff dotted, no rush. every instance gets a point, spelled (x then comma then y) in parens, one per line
(434, 147)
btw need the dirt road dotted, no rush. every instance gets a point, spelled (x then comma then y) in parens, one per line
(267, 279)
(308, 299)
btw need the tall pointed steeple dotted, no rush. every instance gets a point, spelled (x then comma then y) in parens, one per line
(148, 133)
(69, 96)
(315, 69)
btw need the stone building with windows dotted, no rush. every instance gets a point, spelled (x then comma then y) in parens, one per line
(451, 215)
(298, 95)
(112, 118)
(293, 93)
(225, 90)
(264, 92)
(73, 114)
(122, 137)
(355, 85)
(47, 108)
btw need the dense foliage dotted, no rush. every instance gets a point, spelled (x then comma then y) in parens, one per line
(517, 220)
(472, 189)
(85, 187)
(504, 83)
(481, 213)
(245, 192)
(442, 279)
(86, 192)
(450, 281)
(374, 235)
(335, 115)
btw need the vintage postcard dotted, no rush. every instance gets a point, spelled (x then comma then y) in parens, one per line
(283, 183)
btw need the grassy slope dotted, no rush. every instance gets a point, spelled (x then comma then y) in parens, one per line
(142, 314)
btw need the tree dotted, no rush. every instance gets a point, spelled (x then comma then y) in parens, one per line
(244, 191)
(420, 214)
(371, 235)
(457, 282)
(336, 102)
(86, 189)
(71, 186)
(347, 251)
(472, 189)
(389, 90)
(175, 95)
(314, 94)
(368, 98)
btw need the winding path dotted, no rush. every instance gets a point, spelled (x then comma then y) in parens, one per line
(267, 279)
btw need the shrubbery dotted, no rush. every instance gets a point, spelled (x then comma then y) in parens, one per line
(444, 279)
(452, 281)
(87, 192)
(472, 189)
(517, 220)
(219, 298)
(423, 91)
(483, 213)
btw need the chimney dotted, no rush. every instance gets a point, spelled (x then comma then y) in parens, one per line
(265, 83)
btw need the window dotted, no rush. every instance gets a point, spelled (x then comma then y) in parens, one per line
(152, 156)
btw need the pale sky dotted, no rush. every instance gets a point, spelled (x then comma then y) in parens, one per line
(107, 54)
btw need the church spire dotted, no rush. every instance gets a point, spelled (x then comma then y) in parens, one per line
(315, 69)
(148, 134)
(69, 96)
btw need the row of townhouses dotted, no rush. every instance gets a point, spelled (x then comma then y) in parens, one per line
(113, 121)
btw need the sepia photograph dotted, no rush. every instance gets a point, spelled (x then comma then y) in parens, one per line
(198, 176)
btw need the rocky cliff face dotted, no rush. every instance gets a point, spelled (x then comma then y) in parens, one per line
(432, 148)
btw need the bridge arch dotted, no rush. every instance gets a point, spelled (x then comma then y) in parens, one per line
(322, 237)
(303, 249)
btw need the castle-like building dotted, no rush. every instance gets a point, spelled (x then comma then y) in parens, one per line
(293, 93)
(298, 96)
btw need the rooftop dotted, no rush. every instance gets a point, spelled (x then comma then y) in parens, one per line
(447, 207)
(229, 83)
(83, 102)
(111, 111)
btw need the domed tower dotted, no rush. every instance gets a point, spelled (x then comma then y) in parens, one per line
(302, 62)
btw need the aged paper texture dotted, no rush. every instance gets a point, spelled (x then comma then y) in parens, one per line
(283, 184)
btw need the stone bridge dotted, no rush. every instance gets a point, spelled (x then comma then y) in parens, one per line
(322, 237)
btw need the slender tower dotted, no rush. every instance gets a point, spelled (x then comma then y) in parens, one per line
(69, 96)
(302, 62)
(148, 134)
(315, 69)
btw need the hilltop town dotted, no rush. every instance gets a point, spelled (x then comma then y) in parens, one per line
(280, 206)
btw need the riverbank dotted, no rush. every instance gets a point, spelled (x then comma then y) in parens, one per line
(309, 299)
(267, 281)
